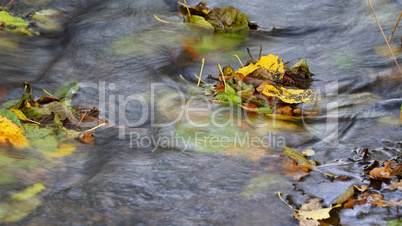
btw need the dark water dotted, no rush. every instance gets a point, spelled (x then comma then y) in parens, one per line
(113, 183)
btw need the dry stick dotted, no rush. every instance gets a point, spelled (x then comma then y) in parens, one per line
(259, 56)
(385, 38)
(392, 34)
(188, 10)
(248, 50)
(223, 76)
(82, 118)
(202, 66)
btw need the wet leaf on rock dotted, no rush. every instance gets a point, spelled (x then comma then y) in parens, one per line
(345, 196)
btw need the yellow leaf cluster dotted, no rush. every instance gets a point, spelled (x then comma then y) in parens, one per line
(10, 133)
(269, 62)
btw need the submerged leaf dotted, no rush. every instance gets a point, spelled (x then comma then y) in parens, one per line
(260, 184)
(19, 210)
(228, 20)
(28, 192)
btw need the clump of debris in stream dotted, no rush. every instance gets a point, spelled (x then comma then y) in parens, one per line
(264, 86)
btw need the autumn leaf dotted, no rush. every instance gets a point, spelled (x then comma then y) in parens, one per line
(301, 160)
(269, 62)
(291, 96)
(345, 196)
(290, 168)
(28, 192)
(312, 210)
(395, 185)
(319, 214)
(12, 134)
(64, 149)
(381, 173)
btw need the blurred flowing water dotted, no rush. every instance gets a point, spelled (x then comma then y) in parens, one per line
(116, 49)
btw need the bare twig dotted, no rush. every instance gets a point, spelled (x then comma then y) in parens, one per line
(385, 38)
(248, 50)
(392, 34)
(202, 67)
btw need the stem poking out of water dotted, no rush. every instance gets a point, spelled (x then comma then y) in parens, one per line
(223, 76)
(385, 38)
(202, 66)
(392, 34)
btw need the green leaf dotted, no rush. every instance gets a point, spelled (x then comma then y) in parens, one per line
(66, 90)
(19, 103)
(29, 192)
(11, 20)
(36, 112)
(21, 26)
(302, 64)
(200, 21)
(8, 114)
(230, 91)
(229, 20)
(19, 210)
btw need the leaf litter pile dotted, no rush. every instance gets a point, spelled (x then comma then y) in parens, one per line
(35, 133)
(267, 86)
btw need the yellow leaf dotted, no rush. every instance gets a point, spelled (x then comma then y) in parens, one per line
(292, 96)
(21, 116)
(318, 214)
(269, 62)
(28, 192)
(247, 69)
(65, 149)
(12, 134)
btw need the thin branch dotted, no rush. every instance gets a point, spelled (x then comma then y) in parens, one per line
(385, 38)
(392, 34)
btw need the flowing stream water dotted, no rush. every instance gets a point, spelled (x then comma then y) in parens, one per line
(117, 51)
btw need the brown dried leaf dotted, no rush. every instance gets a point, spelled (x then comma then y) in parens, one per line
(395, 185)
(86, 138)
(381, 173)
(303, 221)
(362, 189)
